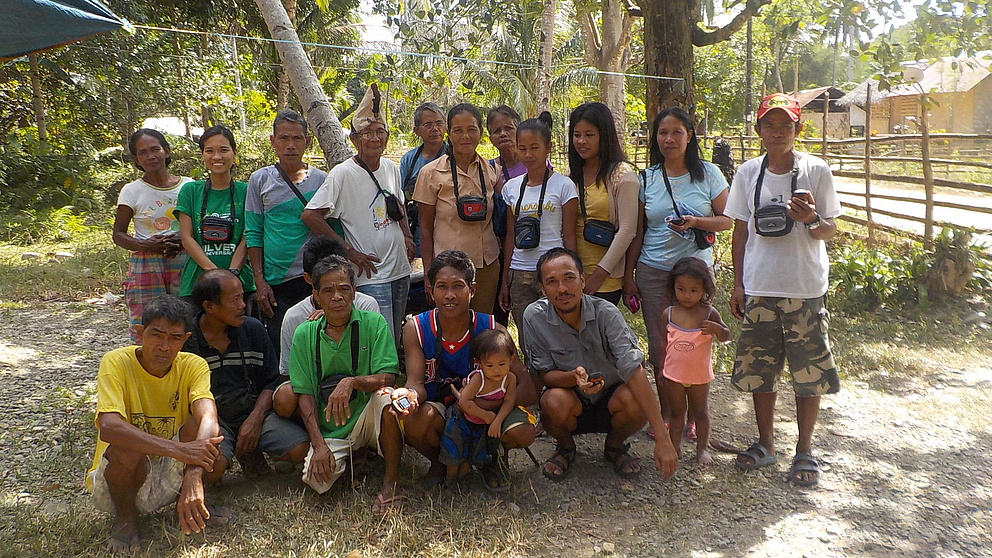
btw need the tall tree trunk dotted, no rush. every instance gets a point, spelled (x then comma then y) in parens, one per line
(547, 46)
(670, 32)
(283, 85)
(615, 55)
(183, 101)
(316, 108)
(668, 26)
(608, 51)
(38, 96)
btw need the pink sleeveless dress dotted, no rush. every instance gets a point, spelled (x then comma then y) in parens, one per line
(688, 355)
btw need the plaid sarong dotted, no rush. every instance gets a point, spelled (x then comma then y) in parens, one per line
(149, 275)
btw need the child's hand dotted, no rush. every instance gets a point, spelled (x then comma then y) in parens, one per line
(712, 328)
(495, 429)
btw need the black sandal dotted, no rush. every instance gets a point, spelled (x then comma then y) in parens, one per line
(561, 458)
(496, 473)
(620, 458)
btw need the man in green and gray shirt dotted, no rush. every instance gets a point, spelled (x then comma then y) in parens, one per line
(275, 235)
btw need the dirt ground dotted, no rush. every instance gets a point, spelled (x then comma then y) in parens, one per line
(905, 470)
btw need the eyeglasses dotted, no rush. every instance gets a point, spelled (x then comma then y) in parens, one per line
(436, 125)
(369, 134)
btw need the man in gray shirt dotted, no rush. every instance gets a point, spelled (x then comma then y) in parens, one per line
(591, 366)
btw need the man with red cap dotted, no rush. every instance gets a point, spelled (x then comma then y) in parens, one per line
(784, 205)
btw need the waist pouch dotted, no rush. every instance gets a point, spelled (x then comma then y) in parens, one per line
(599, 232)
(472, 208)
(772, 220)
(527, 232)
(216, 229)
(393, 209)
(704, 239)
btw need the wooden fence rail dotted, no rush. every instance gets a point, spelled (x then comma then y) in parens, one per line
(956, 154)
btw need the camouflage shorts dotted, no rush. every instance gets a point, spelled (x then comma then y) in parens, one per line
(776, 329)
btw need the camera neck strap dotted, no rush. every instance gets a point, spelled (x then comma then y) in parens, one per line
(206, 194)
(292, 186)
(540, 202)
(454, 176)
(413, 163)
(354, 348)
(502, 166)
(375, 180)
(761, 178)
(668, 186)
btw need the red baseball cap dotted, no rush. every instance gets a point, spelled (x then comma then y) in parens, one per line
(780, 101)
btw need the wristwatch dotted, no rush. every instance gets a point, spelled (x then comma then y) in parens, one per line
(237, 272)
(815, 223)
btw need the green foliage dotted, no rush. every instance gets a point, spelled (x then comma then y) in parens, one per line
(38, 176)
(893, 276)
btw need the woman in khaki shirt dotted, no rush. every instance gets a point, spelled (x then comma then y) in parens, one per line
(455, 198)
(608, 189)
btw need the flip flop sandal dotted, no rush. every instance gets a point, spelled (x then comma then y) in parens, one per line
(722, 446)
(220, 516)
(562, 459)
(496, 473)
(759, 454)
(621, 459)
(804, 463)
(383, 505)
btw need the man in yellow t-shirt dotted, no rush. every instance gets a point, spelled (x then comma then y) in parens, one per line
(157, 429)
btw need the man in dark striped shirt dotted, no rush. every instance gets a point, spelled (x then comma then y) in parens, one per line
(243, 375)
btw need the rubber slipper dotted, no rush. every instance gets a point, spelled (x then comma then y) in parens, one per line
(220, 516)
(496, 473)
(383, 505)
(620, 458)
(722, 446)
(562, 459)
(759, 454)
(804, 463)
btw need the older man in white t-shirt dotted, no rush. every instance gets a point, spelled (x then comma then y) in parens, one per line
(362, 192)
(784, 205)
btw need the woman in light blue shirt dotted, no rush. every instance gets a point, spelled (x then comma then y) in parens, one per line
(665, 235)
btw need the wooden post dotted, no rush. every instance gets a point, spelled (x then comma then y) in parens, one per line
(38, 98)
(868, 216)
(927, 170)
(826, 112)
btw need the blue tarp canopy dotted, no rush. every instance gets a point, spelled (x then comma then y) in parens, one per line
(31, 25)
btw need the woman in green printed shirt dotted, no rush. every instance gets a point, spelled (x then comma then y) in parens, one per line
(212, 215)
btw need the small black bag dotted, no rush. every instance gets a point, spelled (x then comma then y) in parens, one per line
(599, 232)
(214, 228)
(594, 231)
(772, 220)
(527, 230)
(470, 208)
(328, 384)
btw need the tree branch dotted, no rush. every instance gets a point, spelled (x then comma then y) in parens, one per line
(593, 44)
(705, 38)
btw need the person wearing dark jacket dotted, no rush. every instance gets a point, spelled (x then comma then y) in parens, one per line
(243, 375)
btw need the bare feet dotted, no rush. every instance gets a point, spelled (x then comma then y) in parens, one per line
(219, 516)
(703, 459)
(124, 539)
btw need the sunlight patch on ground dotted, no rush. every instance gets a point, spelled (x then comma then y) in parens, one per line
(14, 355)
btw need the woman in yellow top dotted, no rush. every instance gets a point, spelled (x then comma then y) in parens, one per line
(454, 195)
(607, 184)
